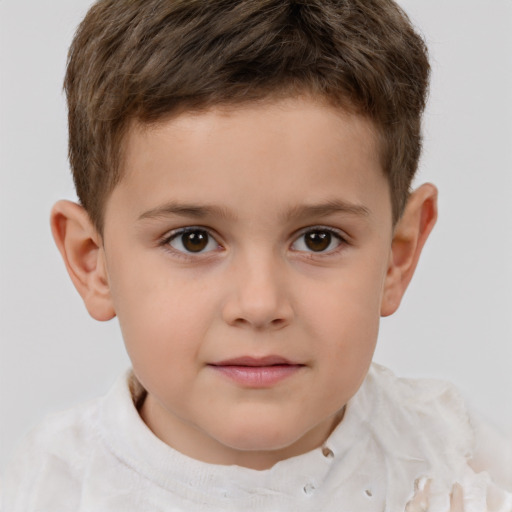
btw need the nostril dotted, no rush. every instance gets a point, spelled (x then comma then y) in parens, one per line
(257, 310)
(240, 322)
(276, 323)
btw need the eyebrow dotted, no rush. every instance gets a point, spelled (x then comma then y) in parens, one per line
(327, 208)
(185, 210)
(323, 209)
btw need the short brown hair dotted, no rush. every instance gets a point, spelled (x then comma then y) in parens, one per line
(146, 59)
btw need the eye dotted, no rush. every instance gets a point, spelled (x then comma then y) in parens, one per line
(192, 240)
(318, 240)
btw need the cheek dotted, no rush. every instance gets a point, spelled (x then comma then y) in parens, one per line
(348, 303)
(350, 334)
(345, 357)
(163, 318)
(344, 317)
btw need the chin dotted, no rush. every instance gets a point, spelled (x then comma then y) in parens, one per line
(259, 438)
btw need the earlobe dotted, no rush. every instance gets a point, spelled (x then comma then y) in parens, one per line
(82, 250)
(409, 237)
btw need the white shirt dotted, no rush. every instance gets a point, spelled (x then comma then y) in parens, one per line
(396, 435)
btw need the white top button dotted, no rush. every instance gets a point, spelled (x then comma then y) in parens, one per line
(327, 452)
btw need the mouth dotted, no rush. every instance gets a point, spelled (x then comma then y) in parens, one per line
(255, 361)
(257, 372)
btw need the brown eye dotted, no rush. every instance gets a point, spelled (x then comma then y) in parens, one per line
(318, 241)
(193, 241)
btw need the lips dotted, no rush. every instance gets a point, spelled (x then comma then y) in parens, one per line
(257, 372)
(255, 361)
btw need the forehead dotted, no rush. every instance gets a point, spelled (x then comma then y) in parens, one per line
(279, 152)
(302, 117)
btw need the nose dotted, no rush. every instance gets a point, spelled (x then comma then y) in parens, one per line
(258, 296)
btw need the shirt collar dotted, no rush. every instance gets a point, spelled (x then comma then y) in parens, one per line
(128, 437)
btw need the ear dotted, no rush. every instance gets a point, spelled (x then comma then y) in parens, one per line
(409, 237)
(81, 248)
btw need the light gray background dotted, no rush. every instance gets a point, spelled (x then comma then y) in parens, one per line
(455, 322)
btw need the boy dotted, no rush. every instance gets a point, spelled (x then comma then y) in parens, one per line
(243, 170)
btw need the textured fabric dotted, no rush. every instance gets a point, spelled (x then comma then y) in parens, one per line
(402, 444)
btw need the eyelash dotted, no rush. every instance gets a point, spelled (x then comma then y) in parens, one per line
(176, 234)
(165, 242)
(333, 233)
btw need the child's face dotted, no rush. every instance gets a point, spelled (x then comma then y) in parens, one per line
(246, 252)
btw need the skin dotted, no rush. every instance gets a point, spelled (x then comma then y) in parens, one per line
(257, 182)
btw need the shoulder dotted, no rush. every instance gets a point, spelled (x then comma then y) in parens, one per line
(433, 408)
(423, 427)
(427, 421)
(440, 410)
(419, 391)
(50, 461)
(427, 400)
